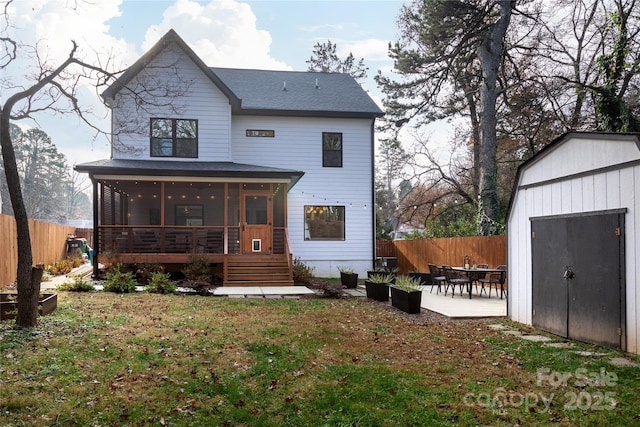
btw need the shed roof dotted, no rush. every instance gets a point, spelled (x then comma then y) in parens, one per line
(594, 151)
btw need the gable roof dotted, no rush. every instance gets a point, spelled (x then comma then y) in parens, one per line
(170, 37)
(264, 92)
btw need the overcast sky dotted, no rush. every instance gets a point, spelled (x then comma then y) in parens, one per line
(261, 34)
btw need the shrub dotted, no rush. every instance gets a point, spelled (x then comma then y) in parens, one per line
(119, 281)
(330, 289)
(160, 283)
(78, 284)
(63, 266)
(302, 273)
(197, 274)
(145, 271)
(196, 267)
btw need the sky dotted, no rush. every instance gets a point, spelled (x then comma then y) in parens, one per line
(259, 34)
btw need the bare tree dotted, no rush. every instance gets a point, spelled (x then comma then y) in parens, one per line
(55, 88)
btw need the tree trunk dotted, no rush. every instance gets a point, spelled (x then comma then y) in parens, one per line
(27, 292)
(490, 54)
(28, 299)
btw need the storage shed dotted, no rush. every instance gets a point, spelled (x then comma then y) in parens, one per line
(573, 240)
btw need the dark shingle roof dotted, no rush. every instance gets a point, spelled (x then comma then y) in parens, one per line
(194, 169)
(294, 91)
(261, 91)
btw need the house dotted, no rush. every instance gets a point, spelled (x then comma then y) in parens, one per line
(573, 240)
(250, 168)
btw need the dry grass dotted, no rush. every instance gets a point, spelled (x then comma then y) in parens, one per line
(106, 359)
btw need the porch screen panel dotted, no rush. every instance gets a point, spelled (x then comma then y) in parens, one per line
(117, 208)
(279, 192)
(107, 206)
(233, 206)
(233, 218)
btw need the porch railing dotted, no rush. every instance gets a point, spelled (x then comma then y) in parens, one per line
(149, 239)
(175, 239)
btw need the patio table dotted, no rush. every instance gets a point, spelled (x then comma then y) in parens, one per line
(469, 271)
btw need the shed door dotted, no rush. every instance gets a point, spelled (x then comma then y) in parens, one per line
(578, 277)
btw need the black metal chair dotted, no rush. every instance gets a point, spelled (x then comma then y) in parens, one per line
(496, 279)
(454, 279)
(476, 276)
(437, 278)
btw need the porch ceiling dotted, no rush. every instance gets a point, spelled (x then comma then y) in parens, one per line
(163, 168)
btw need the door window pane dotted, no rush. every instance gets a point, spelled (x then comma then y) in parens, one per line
(256, 209)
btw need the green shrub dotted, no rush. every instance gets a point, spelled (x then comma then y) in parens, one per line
(145, 271)
(198, 274)
(197, 267)
(302, 273)
(119, 281)
(77, 284)
(161, 284)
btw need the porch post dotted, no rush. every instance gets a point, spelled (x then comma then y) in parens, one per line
(96, 235)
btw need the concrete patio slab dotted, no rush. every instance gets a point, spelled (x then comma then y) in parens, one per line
(461, 307)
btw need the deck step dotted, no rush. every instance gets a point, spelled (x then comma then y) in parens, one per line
(257, 270)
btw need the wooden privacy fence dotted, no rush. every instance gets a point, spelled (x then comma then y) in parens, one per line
(416, 255)
(48, 244)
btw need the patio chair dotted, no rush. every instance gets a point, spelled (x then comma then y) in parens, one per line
(475, 278)
(437, 278)
(453, 279)
(496, 279)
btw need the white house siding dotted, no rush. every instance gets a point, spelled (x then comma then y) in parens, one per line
(202, 101)
(298, 145)
(614, 188)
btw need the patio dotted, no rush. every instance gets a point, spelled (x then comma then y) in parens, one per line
(461, 307)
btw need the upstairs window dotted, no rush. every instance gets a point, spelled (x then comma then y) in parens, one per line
(174, 138)
(331, 150)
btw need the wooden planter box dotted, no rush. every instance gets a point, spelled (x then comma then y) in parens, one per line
(377, 291)
(349, 280)
(9, 306)
(409, 302)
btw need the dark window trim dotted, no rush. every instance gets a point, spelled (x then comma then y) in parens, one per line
(174, 138)
(260, 133)
(324, 162)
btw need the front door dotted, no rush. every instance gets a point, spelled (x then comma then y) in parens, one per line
(257, 219)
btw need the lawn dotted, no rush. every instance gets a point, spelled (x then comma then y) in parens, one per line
(138, 359)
